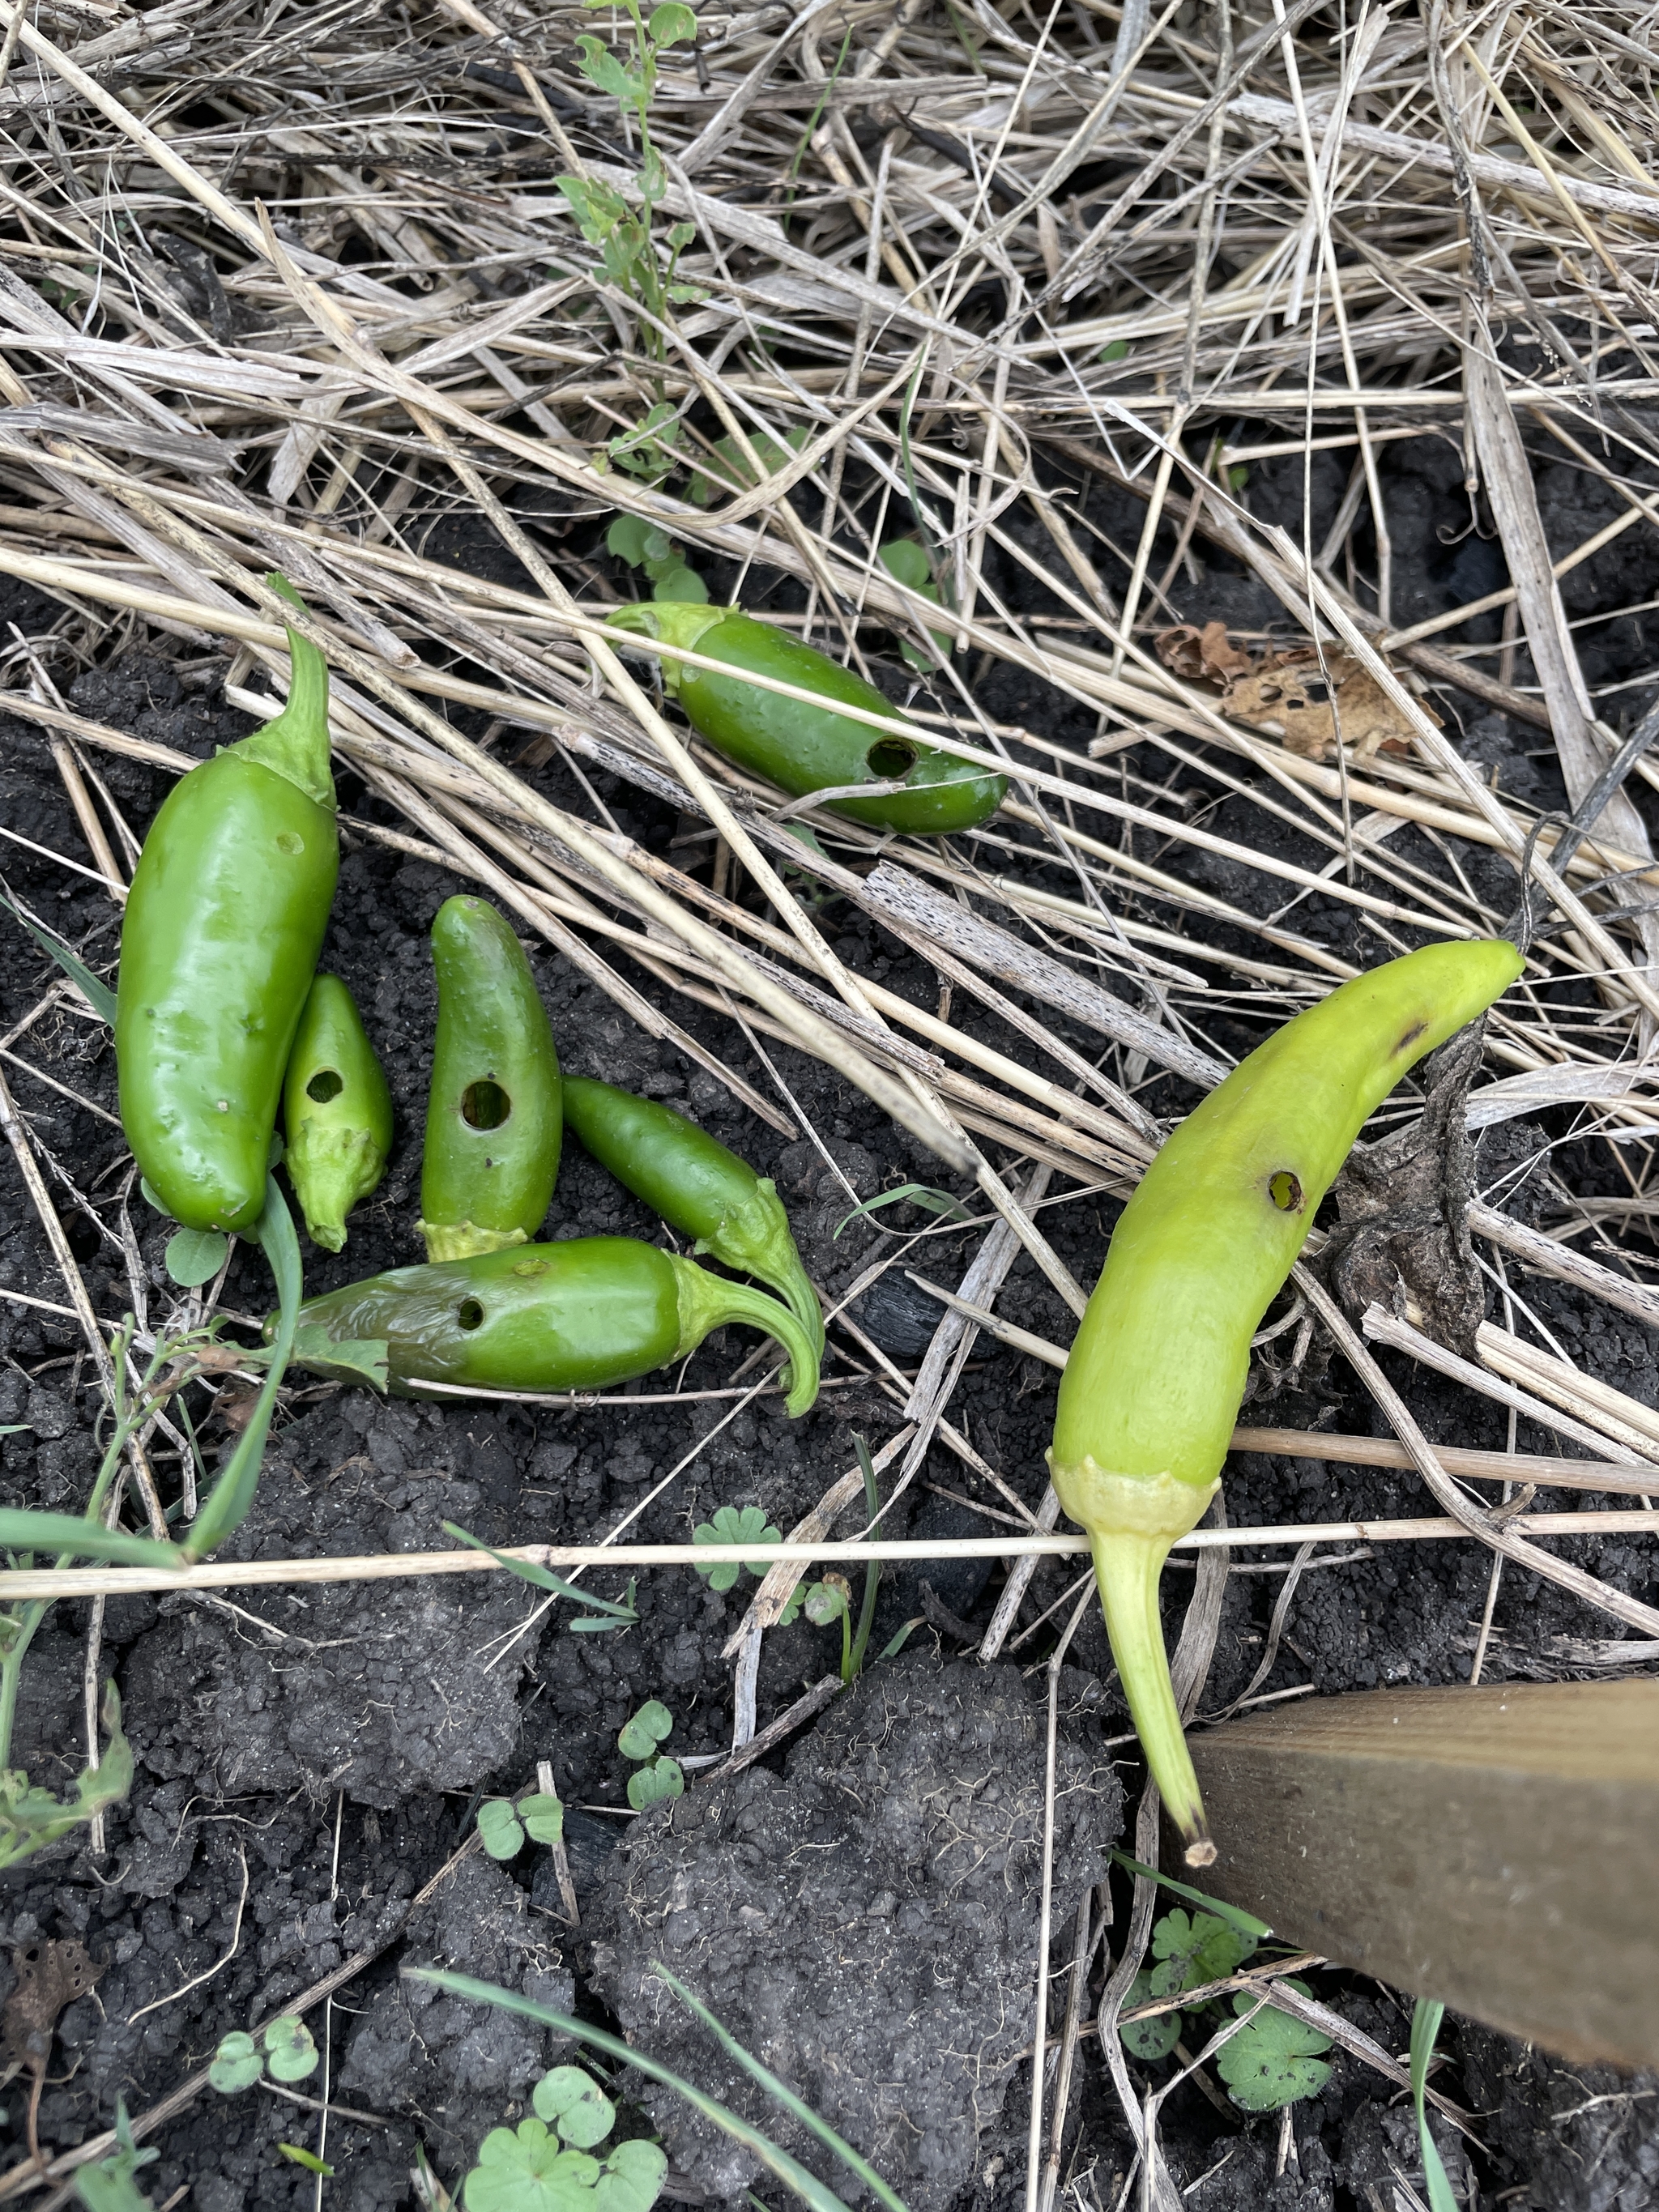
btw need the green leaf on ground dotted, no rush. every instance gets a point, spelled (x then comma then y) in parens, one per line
(194, 1257)
(639, 1737)
(573, 2102)
(649, 1785)
(1274, 2061)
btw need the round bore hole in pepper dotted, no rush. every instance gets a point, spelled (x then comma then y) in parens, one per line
(337, 1113)
(223, 924)
(583, 1314)
(1155, 1378)
(802, 746)
(494, 1115)
(696, 1186)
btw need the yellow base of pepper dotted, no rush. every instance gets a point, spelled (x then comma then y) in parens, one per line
(1132, 1521)
(461, 1240)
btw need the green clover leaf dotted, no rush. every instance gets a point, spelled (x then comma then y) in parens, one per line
(729, 1526)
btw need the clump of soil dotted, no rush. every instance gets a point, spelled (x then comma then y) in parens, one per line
(864, 1924)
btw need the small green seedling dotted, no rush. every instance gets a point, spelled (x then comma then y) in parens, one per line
(297, 2156)
(1272, 2060)
(288, 2053)
(1426, 2016)
(734, 1525)
(642, 545)
(623, 233)
(654, 1777)
(109, 2186)
(503, 1826)
(545, 2165)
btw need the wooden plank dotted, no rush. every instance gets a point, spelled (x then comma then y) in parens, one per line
(1497, 1848)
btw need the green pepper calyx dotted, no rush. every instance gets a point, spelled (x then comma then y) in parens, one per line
(675, 623)
(755, 1236)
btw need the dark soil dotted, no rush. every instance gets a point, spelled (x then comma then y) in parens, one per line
(861, 1907)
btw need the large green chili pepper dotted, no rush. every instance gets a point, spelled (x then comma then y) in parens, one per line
(337, 1112)
(579, 1316)
(223, 925)
(697, 1187)
(494, 1120)
(805, 748)
(1156, 1376)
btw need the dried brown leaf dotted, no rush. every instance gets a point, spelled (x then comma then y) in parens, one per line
(1205, 655)
(50, 1977)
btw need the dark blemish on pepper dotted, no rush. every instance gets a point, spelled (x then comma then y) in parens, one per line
(1411, 1037)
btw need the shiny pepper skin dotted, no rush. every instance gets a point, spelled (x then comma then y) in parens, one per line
(223, 924)
(494, 1119)
(804, 748)
(1156, 1376)
(337, 1113)
(584, 1315)
(696, 1186)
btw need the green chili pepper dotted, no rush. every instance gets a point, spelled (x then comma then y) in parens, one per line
(494, 1120)
(1156, 1376)
(223, 925)
(337, 1112)
(805, 748)
(696, 1186)
(579, 1316)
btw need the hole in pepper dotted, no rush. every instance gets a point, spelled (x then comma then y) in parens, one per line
(1285, 1191)
(484, 1105)
(470, 1314)
(890, 758)
(324, 1086)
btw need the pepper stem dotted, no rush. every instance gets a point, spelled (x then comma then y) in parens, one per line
(707, 1302)
(294, 744)
(1132, 1522)
(756, 1237)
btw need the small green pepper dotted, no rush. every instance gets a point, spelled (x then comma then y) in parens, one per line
(1156, 1374)
(223, 925)
(337, 1112)
(494, 1119)
(579, 1316)
(803, 748)
(696, 1186)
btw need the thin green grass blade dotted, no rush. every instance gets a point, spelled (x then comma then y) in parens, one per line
(789, 2171)
(780, 2095)
(226, 1504)
(542, 1578)
(1425, 2031)
(1234, 1914)
(99, 996)
(86, 1539)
